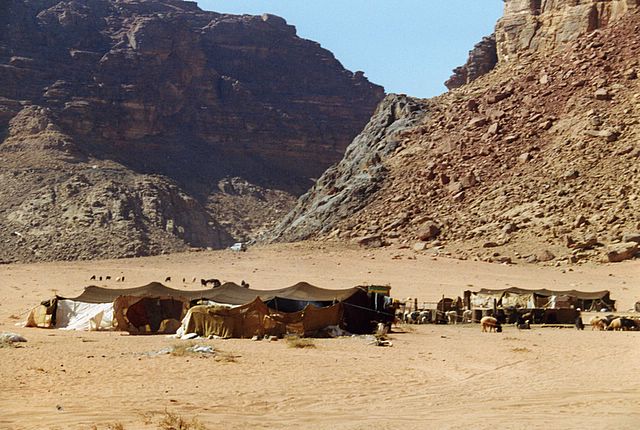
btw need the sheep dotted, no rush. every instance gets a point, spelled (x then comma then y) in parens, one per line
(599, 323)
(467, 316)
(615, 325)
(167, 279)
(629, 324)
(452, 317)
(107, 278)
(244, 284)
(491, 323)
(424, 317)
(412, 317)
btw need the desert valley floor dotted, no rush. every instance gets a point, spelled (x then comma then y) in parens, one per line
(432, 376)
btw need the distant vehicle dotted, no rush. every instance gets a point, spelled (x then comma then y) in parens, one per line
(238, 246)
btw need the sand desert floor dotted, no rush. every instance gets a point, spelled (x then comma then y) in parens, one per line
(432, 377)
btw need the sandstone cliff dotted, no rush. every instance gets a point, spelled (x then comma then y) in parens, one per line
(538, 160)
(180, 127)
(540, 26)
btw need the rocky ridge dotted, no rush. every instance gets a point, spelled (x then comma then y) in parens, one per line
(132, 127)
(537, 26)
(537, 161)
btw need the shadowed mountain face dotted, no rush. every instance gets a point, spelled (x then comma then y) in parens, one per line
(233, 114)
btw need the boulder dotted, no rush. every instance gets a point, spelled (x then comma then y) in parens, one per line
(371, 241)
(544, 256)
(631, 237)
(428, 231)
(621, 252)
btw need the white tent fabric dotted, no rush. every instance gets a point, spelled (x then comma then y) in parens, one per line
(73, 315)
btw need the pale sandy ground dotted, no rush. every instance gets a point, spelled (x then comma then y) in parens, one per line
(433, 377)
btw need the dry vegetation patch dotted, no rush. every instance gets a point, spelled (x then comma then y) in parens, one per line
(300, 342)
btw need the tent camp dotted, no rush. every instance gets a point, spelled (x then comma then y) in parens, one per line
(542, 298)
(257, 319)
(156, 308)
(550, 306)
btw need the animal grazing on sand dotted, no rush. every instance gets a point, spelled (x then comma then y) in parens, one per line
(244, 284)
(490, 323)
(92, 278)
(467, 316)
(622, 324)
(107, 278)
(215, 282)
(599, 323)
(167, 279)
(452, 317)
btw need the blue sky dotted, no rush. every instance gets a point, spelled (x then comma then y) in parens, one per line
(408, 46)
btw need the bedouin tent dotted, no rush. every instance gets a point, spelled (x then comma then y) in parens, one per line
(257, 319)
(540, 298)
(94, 309)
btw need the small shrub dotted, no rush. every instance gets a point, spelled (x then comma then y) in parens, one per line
(299, 342)
(171, 421)
(523, 349)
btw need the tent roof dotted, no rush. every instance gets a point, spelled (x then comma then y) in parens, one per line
(227, 293)
(582, 295)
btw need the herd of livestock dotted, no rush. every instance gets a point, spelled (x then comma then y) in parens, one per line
(489, 323)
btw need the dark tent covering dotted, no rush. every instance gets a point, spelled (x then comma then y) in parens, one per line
(228, 293)
(587, 301)
(359, 315)
(580, 295)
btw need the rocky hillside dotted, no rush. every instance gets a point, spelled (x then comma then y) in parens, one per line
(538, 160)
(132, 127)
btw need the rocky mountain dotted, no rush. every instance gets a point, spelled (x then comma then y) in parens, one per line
(134, 127)
(537, 160)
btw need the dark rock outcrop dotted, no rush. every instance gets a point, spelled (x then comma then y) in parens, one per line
(529, 26)
(177, 95)
(482, 59)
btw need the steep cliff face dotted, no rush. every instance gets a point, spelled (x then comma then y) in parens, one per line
(347, 186)
(537, 161)
(540, 26)
(179, 96)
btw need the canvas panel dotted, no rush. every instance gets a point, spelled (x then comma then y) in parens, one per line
(73, 315)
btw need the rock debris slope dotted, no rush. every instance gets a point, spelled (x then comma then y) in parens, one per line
(538, 160)
(137, 127)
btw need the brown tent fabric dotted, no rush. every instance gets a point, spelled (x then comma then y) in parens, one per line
(242, 322)
(256, 319)
(229, 293)
(149, 315)
(580, 295)
(306, 322)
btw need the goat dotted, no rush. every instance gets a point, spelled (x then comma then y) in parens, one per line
(216, 283)
(615, 325)
(92, 278)
(490, 323)
(599, 323)
(244, 284)
(452, 317)
(167, 279)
